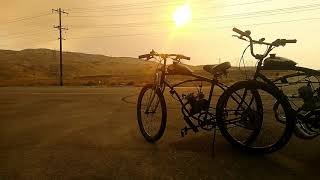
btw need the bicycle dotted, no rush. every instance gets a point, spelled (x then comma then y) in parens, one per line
(270, 135)
(303, 91)
(195, 107)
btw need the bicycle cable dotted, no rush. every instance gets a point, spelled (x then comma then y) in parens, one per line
(242, 60)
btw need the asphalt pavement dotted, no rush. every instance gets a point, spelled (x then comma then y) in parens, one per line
(92, 133)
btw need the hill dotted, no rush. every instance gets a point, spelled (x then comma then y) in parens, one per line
(41, 67)
(33, 67)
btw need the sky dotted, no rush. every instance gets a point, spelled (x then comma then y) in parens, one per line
(128, 28)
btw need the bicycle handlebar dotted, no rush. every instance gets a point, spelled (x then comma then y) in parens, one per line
(241, 32)
(144, 56)
(290, 40)
(276, 43)
(283, 42)
(176, 57)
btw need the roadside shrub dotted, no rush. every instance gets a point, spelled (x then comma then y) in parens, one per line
(90, 83)
(130, 83)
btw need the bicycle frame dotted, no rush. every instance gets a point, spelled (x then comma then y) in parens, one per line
(214, 82)
(261, 57)
(300, 71)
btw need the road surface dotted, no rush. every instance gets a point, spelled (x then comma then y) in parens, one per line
(91, 133)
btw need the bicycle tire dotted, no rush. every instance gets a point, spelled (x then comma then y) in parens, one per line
(300, 130)
(271, 90)
(160, 132)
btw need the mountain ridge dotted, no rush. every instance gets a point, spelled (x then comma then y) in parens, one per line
(33, 67)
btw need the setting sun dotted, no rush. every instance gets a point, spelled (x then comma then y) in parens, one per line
(182, 15)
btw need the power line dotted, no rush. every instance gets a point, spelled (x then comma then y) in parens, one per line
(27, 35)
(220, 27)
(120, 35)
(131, 7)
(220, 18)
(238, 4)
(108, 15)
(115, 5)
(18, 33)
(136, 14)
(36, 42)
(138, 6)
(42, 41)
(126, 6)
(26, 18)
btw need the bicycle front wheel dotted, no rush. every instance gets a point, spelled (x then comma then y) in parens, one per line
(151, 113)
(246, 120)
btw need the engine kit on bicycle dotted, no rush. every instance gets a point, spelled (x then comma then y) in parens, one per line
(302, 87)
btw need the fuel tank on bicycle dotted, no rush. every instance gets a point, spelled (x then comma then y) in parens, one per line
(278, 63)
(179, 69)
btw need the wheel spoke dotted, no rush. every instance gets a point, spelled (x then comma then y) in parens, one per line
(151, 115)
(246, 117)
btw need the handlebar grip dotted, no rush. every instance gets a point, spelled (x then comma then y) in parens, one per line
(186, 58)
(290, 41)
(283, 42)
(144, 56)
(239, 31)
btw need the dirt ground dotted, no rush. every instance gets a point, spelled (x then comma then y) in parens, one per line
(92, 133)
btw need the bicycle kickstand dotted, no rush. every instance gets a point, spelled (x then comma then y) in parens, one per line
(213, 142)
(184, 131)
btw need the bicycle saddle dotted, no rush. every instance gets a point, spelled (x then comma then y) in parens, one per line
(217, 69)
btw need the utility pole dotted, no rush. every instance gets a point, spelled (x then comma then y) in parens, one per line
(60, 11)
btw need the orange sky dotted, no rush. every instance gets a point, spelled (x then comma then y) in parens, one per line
(134, 27)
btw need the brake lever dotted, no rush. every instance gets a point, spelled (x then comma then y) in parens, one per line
(262, 40)
(240, 37)
(277, 43)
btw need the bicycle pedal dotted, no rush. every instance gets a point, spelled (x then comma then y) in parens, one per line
(182, 134)
(184, 131)
(192, 126)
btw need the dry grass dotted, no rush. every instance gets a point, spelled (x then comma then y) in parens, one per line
(39, 67)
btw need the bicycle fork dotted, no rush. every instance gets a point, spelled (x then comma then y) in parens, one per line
(151, 99)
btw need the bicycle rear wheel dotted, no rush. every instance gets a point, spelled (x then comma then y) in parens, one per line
(151, 113)
(306, 81)
(245, 119)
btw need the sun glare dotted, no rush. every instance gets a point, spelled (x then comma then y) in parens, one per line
(182, 15)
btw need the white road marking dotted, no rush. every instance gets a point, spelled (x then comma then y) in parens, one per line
(76, 93)
(59, 93)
